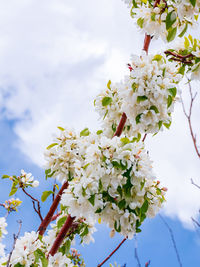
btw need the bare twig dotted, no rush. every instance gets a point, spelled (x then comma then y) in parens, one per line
(106, 259)
(34, 200)
(189, 116)
(173, 240)
(136, 253)
(178, 56)
(15, 236)
(147, 41)
(144, 137)
(195, 183)
(195, 221)
(43, 226)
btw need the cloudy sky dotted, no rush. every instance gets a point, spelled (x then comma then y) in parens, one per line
(55, 56)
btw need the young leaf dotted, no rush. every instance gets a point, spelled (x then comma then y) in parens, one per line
(141, 98)
(137, 118)
(171, 34)
(52, 145)
(170, 19)
(106, 101)
(92, 200)
(169, 101)
(85, 132)
(109, 84)
(155, 109)
(173, 91)
(45, 195)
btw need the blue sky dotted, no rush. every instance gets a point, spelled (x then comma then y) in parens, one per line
(54, 58)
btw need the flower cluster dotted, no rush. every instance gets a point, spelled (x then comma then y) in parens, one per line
(187, 54)
(164, 18)
(3, 232)
(23, 181)
(115, 185)
(12, 204)
(147, 96)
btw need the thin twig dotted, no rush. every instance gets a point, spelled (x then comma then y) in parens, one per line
(144, 137)
(197, 223)
(195, 183)
(106, 259)
(173, 240)
(147, 264)
(178, 56)
(136, 253)
(14, 243)
(37, 210)
(189, 115)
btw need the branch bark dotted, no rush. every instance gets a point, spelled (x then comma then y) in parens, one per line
(121, 125)
(43, 226)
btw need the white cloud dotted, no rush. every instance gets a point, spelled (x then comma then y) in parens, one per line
(54, 58)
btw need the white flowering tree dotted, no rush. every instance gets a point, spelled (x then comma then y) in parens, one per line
(107, 176)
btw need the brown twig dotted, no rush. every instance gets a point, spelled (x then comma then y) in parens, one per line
(189, 115)
(121, 125)
(55, 216)
(37, 210)
(60, 237)
(144, 137)
(147, 264)
(177, 55)
(189, 62)
(43, 226)
(14, 243)
(173, 240)
(99, 265)
(157, 2)
(197, 223)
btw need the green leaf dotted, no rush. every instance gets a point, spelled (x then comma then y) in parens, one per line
(141, 98)
(92, 200)
(183, 31)
(169, 101)
(109, 84)
(99, 132)
(182, 70)
(85, 132)
(140, 22)
(137, 118)
(116, 164)
(122, 204)
(173, 91)
(186, 43)
(61, 221)
(99, 210)
(52, 145)
(106, 101)
(193, 2)
(85, 166)
(13, 190)
(125, 140)
(17, 265)
(44, 262)
(144, 207)
(5, 176)
(160, 124)
(134, 86)
(45, 195)
(85, 232)
(134, 3)
(100, 185)
(167, 125)
(61, 128)
(171, 34)
(117, 229)
(157, 58)
(155, 109)
(170, 19)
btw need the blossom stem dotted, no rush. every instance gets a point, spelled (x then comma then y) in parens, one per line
(121, 125)
(99, 265)
(60, 237)
(43, 226)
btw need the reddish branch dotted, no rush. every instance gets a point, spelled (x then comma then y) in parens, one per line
(60, 237)
(121, 125)
(157, 2)
(189, 115)
(34, 200)
(147, 41)
(43, 226)
(180, 58)
(99, 265)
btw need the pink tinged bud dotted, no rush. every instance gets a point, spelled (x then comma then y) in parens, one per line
(165, 189)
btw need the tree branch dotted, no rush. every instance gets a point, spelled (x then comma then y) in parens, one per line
(195, 183)
(43, 226)
(136, 253)
(37, 210)
(121, 125)
(106, 259)
(60, 237)
(14, 243)
(189, 115)
(173, 240)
